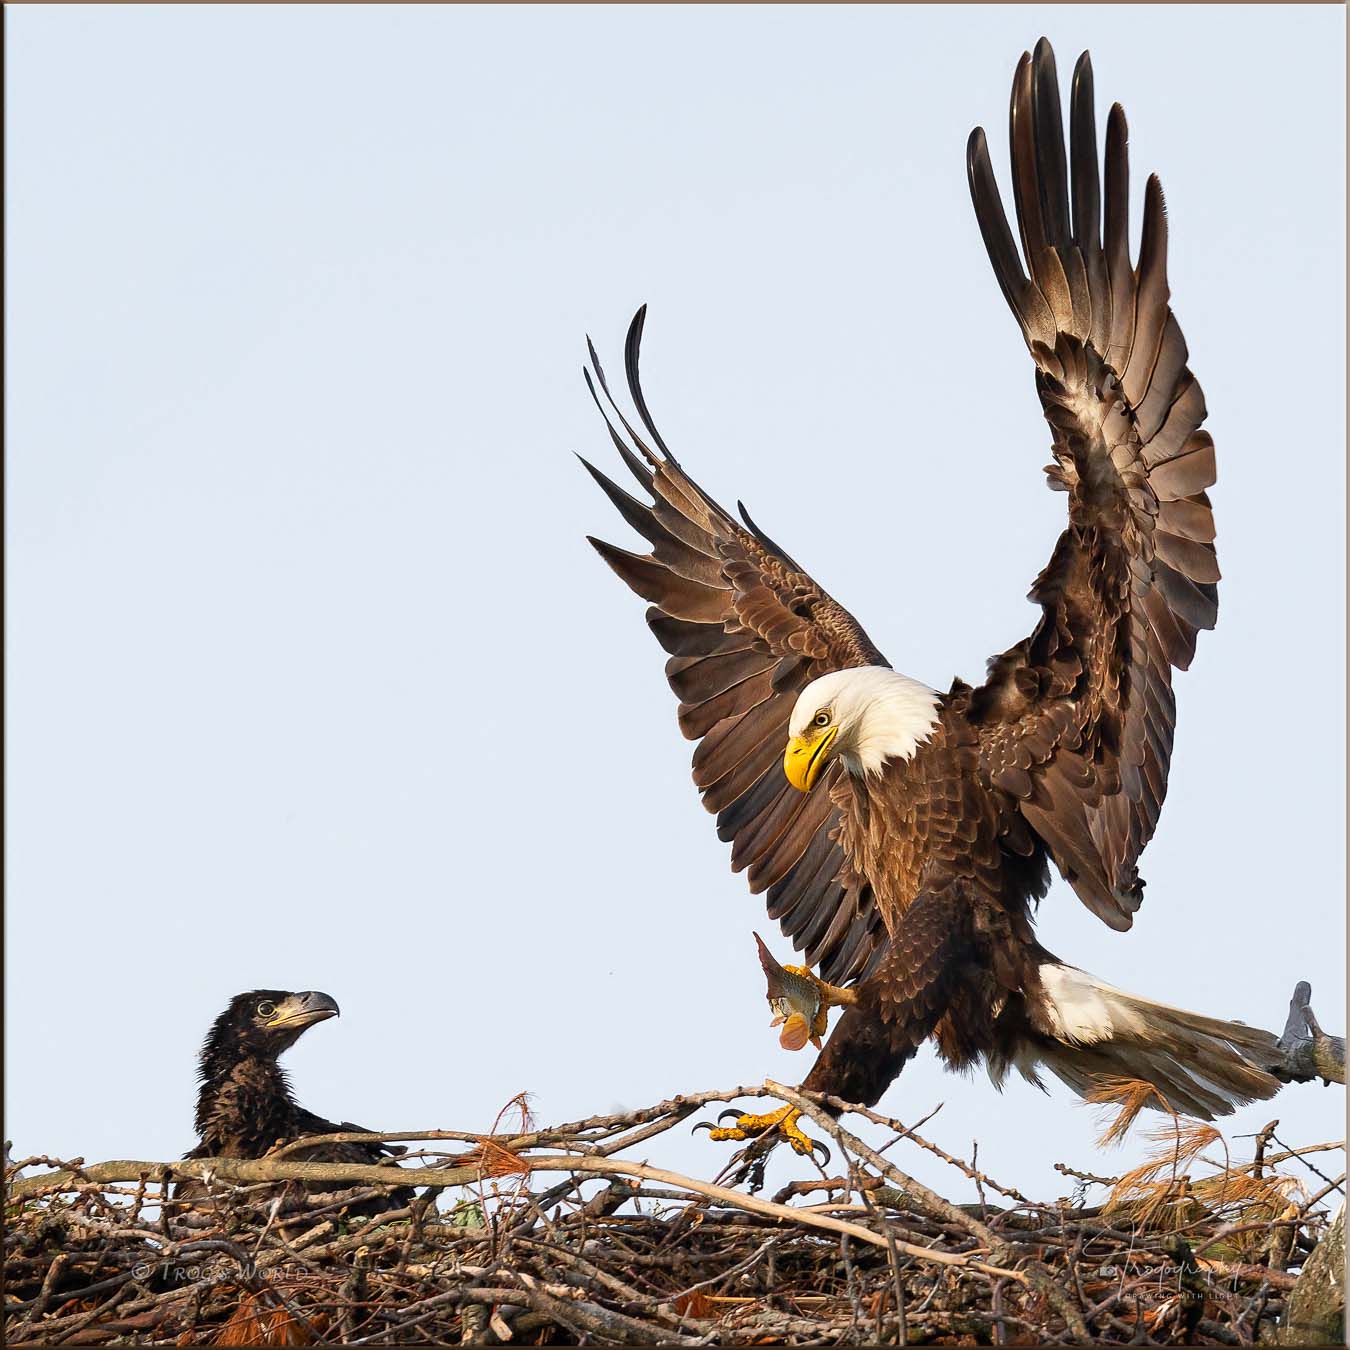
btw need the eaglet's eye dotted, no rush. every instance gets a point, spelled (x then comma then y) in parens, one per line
(822, 718)
(266, 1008)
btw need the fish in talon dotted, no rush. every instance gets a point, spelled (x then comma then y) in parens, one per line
(800, 1001)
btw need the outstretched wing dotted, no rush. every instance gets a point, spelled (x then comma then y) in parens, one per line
(746, 630)
(1077, 721)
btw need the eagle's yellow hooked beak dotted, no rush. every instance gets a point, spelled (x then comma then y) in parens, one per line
(806, 755)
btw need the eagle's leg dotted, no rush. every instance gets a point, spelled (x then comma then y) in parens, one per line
(897, 1008)
(900, 1004)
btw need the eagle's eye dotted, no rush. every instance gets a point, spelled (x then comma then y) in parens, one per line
(822, 718)
(266, 1008)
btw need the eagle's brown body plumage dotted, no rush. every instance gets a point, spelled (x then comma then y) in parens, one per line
(915, 880)
(936, 831)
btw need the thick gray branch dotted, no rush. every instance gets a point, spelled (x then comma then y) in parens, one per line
(1308, 1052)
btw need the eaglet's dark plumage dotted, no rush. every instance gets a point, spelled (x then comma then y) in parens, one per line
(245, 1106)
(901, 836)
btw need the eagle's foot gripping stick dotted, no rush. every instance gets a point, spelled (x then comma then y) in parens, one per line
(768, 1129)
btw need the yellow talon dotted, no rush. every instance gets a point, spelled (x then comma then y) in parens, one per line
(783, 1120)
(721, 1134)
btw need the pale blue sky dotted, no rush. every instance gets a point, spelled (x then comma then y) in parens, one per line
(313, 681)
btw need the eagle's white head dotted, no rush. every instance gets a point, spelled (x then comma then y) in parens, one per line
(865, 716)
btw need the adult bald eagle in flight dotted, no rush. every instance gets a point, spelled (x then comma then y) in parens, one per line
(901, 835)
(245, 1106)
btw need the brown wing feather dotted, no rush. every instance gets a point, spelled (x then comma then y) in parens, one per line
(1077, 721)
(746, 629)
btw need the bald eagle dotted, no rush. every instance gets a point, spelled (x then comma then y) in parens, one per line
(245, 1106)
(902, 835)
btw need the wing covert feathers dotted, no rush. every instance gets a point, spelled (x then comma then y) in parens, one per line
(1078, 719)
(745, 629)
(1076, 722)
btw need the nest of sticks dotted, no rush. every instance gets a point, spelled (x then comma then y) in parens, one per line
(532, 1236)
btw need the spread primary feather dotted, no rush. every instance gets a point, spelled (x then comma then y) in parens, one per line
(909, 866)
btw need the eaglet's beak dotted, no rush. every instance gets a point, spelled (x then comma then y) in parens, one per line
(303, 1010)
(807, 755)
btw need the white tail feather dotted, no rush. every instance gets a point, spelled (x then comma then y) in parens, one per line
(1203, 1066)
(1083, 1011)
